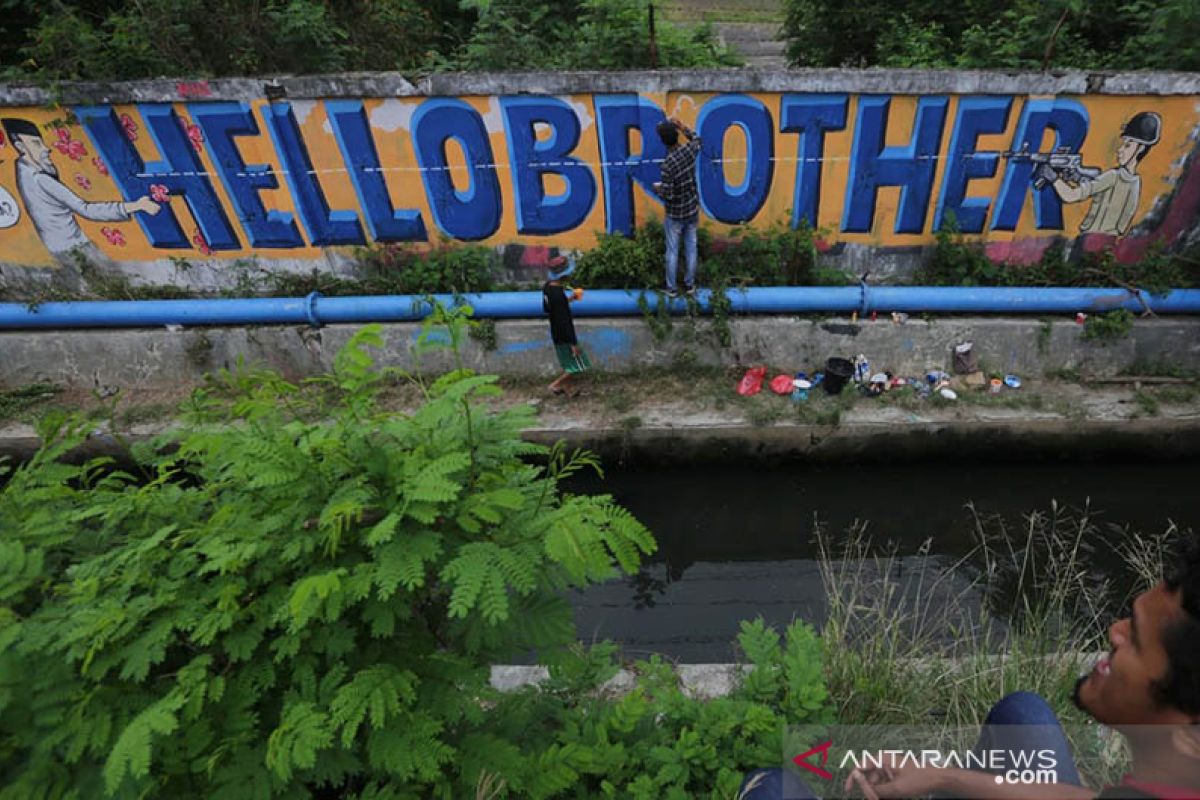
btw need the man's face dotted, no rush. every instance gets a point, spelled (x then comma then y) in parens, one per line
(1119, 690)
(33, 148)
(1127, 152)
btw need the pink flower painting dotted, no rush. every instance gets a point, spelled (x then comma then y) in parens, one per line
(195, 136)
(200, 243)
(69, 147)
(159, 193)
(114, 236)
(130, 127)
(82, 182)
(98, 163)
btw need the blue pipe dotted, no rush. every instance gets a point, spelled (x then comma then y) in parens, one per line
(317, 310)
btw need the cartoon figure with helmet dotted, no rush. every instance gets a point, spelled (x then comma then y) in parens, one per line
(1115, 192)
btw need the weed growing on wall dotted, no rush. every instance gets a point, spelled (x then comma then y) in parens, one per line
(15, 403)
(1108, 327)
(778, 256)
(958, 262)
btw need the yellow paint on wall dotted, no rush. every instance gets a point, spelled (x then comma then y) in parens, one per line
(390, 117)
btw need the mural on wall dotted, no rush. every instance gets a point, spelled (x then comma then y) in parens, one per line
(289, 179)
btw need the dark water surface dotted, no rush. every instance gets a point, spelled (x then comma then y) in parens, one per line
(736, 541)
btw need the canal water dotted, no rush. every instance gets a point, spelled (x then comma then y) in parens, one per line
(737, 541)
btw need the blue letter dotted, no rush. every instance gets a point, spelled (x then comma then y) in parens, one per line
(324, 227)
(810, 115)
(616, 116)
(181, 172)
(1069, 121)
(530, 161)
(475, 213)
(912, 167)
(976, 116)
(740, 203)
(220, 123)
(353, 132)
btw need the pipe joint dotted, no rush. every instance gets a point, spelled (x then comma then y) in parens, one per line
(310, 309)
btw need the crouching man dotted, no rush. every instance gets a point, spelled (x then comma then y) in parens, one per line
(1147, 688)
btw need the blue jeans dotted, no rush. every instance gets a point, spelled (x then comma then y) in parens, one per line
(672, 228)
(1020, 720)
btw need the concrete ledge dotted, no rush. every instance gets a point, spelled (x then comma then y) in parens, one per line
(145, 359)
(902, 438)
(701, 681)
(747, 79)
(874, 434)
(706, 681)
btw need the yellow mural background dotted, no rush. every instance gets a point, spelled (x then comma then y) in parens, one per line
(1159, 171)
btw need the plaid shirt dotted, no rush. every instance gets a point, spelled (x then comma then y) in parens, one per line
(679, 195)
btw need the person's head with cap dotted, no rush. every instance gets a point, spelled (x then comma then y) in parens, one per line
(560, 267)
(1141, 132)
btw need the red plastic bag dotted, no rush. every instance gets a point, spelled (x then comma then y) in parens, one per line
(782, 384)
(752, 381)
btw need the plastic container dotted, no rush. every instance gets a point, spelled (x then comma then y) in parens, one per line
(838, 371)
(862, 369)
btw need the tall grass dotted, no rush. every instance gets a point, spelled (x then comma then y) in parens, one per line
(938, 644)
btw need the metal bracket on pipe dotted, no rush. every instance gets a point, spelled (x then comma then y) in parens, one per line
(310, 309)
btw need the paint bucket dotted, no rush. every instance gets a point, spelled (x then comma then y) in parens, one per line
(837, 372)
(996, 385)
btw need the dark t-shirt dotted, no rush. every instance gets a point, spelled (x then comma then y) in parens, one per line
(555, 303)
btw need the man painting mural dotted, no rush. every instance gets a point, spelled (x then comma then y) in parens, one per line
(49, 203)
(681, 201)
(1115, 193)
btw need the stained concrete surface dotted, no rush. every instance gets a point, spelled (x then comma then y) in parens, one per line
(145, 359)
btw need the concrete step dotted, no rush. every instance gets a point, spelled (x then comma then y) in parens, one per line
(729, 6)
(748, 32)
(766, 62)
(755, 42)
(694, 11)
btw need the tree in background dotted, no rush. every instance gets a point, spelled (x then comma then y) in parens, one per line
(131, 39)
(582, 34)
(983, 34)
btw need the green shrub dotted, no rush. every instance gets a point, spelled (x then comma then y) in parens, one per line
(132, 39)
(1025, 34)
(1108, 327)
(620, 262)
(582, 34)
(656, 741)
(281, 607)
(957, 262)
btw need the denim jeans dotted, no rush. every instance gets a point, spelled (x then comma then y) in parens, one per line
(1021, 720)
(672, 228)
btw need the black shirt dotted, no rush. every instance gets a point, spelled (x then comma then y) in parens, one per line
(555, 303)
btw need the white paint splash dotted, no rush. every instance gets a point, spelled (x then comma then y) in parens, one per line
(392, 115)
(302, 108)
(493, 119)
(582, 111)
(683, 102)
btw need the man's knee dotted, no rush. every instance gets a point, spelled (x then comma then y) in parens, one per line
(1022, 708)
(773, 784)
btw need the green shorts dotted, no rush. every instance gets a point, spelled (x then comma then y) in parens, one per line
(569, 361)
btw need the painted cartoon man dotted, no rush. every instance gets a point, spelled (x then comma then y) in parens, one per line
(49, 203)
(1115, 192)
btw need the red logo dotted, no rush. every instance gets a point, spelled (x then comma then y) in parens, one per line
(802, 760)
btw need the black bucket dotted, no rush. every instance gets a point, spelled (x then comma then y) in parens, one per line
(837, 372)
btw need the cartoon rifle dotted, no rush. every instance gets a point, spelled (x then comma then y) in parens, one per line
(1062, 163)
